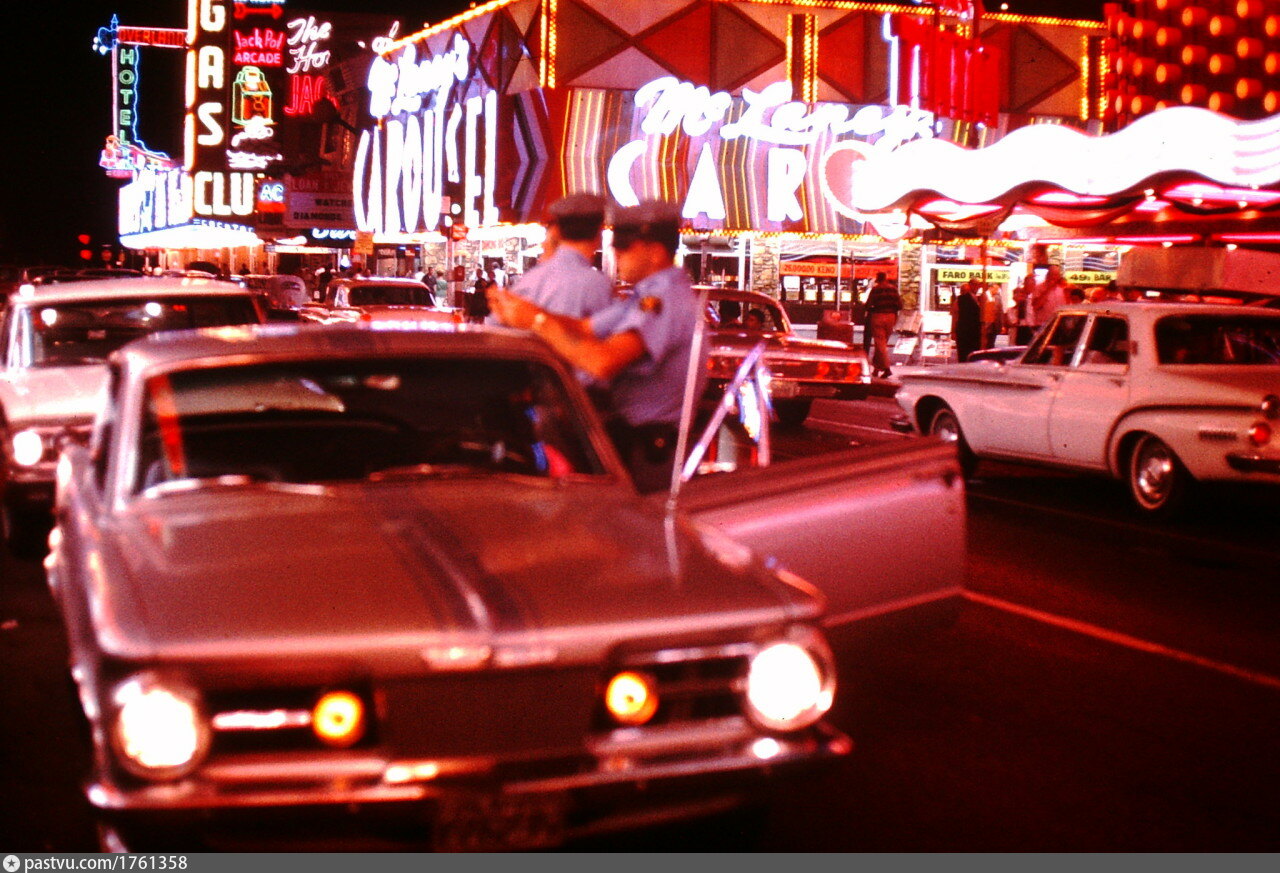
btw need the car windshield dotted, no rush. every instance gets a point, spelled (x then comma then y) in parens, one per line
(317, 421)
(87, 332)
(754, 315)
(1218, 339)
(388, 295)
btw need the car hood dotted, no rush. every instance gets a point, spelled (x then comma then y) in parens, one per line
(392, 570)
(55, 394)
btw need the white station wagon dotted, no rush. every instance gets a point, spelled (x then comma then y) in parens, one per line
(1159, 394)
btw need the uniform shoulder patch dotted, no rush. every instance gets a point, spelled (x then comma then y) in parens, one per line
(651, 305)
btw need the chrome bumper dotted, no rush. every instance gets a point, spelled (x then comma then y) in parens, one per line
(1254, 463)
(618, 760)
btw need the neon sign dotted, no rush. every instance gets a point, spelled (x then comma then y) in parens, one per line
(305, 89)
(792, 139)
(426, 141)
(216, 188)
(154, 201)
(261, 47)
(305, 36)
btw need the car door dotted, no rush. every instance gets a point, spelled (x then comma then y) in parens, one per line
(880, 531)
(1091, 394)
(1018, 426)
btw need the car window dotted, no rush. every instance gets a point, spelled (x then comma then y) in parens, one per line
(1056, 344)
(327, 420)
(387, 295)
(87, 332)
(1108, 341)
(1218, 339)
(751, 315)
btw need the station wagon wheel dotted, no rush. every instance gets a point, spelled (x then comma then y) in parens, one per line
(1158, 482)
(946, 427)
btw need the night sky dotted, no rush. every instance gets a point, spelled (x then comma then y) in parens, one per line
(61, 109)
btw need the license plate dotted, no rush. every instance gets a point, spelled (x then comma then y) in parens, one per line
(498, 822)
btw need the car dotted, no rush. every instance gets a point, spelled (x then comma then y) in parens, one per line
(54, 342)
(378, 298)
(283, 294)
(1161, 395)
(997, 353)
(394, 577)
(800, 369)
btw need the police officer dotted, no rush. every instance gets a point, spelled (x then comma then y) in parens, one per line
(640, 345)
(566, 282)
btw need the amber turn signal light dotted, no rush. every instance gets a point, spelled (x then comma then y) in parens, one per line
(631, 698)
(338, 719)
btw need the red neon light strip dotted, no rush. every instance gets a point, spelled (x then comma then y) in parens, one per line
(1247, 237)
(1171, 238)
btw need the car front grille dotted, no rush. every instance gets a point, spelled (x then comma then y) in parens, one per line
(507, 713)
(693, 685)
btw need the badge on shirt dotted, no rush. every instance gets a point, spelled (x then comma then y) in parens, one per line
(651, 305)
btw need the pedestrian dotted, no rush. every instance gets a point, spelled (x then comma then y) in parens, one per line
(1049, 295)
(566, 282)
(992, 316)
(966, 321)
(1018, 318)
(442, 287)
(882, 308)
(322, 282)
(640, 345)
(476, 303)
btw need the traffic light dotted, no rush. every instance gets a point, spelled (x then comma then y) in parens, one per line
(86, 253)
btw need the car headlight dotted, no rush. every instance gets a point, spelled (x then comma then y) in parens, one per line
(791, 683)
(27, 448)
(159, 731)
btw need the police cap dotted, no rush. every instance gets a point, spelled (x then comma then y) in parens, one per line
(652, 221)
(578, 216)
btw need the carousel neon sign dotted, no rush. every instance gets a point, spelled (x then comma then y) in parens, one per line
(429, 137)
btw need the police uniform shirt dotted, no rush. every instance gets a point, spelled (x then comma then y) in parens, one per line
(566, 284)
(664, 313)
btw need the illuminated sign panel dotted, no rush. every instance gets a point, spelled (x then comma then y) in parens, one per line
(216, 189)
(755, 161)
(154, 201)
(438, 138)
(308, 59)
(322, 200)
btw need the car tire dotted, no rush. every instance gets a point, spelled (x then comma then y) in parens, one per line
(792, 413)
(946, 426)
(1158, 482)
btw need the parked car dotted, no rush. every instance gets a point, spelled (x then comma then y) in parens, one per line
(282, 294)
(378, 298)
(1161, 395)
(801, 368)
(54, 342)
(397, 577)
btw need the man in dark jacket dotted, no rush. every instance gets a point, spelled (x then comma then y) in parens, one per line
(883, 305)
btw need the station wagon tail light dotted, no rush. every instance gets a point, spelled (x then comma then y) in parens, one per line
(1260, 433)
(338, 719)
(159, 732)
(790, 683)
(28, 448)
(631, 698)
